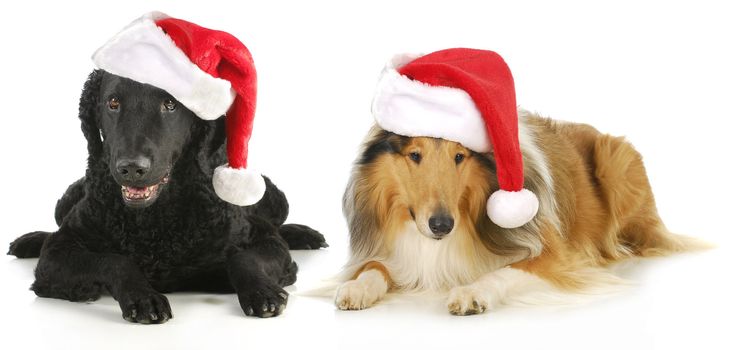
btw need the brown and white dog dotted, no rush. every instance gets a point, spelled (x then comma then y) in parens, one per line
(416, 208)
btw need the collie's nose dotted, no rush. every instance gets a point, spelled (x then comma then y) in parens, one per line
(441, 224)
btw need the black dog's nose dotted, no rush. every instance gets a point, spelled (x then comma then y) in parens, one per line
(441, 224)
(133, 168)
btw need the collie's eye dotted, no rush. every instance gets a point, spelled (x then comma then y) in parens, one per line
(113, 103)
(169, 105)
(415, 156)
(459, 158)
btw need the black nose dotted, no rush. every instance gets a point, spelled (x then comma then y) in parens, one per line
(441, 224)
(132, 169)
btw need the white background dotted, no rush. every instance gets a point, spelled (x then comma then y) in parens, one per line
(658, 72)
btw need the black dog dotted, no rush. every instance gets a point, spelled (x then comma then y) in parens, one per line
(145, 219)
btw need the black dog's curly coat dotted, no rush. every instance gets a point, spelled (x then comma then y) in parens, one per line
(187, 240)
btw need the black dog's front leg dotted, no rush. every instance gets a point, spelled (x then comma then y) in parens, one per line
(68, 271)
(258, 269)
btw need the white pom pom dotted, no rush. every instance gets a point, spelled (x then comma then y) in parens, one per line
(512, 209)
(238, 186)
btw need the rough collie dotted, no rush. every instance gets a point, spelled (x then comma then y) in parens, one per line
(416, 208)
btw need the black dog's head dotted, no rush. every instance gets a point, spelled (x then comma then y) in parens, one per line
(139, 130)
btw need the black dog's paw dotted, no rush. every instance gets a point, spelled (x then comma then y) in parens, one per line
(81, 292)
(146, 307)
(28, 245)
(302, 237)
(85, 293)
(263, 300)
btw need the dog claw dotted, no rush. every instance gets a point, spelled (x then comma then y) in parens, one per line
(145, 307)
(466, 300)
(302, 237)
(479, 307)
(266, 301)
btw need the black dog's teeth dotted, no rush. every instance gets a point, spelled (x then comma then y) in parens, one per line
(149, 191)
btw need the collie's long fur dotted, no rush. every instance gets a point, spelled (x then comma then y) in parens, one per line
(596, 207)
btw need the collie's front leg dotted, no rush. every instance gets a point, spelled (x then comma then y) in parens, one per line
(368, 286)
(490, 291)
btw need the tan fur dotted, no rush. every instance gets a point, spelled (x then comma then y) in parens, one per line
(596, 205)
(375, 266)
(606, 205)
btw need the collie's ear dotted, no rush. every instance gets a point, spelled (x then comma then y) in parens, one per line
(361, 217)
(88, 113)
(381, 142)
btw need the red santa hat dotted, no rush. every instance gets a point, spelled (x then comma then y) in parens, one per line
(210, 72)
(466, 96)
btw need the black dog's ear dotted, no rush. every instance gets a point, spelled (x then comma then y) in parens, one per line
(88, 109)
(211, 145)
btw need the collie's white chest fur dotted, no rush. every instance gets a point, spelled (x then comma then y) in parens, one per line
(419, 263)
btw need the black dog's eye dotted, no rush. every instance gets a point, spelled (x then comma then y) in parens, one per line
(169, 105)
(415, 156)
(459, 158)
(113, 103)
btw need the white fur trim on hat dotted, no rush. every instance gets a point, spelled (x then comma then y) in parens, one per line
(412, 108)
(238, 186)
(144, 53)
(509, 209)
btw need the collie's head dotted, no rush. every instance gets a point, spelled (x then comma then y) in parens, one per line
(440, 185)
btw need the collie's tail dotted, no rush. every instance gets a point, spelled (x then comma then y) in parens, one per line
(667, 243)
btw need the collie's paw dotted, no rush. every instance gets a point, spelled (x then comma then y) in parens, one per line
(466, 300)
(355, 295)
(264, 300)
(145, 306)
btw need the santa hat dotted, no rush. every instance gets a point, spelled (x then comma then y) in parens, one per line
(210, 72)
(466, 96)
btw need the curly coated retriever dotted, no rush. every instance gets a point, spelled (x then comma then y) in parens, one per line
(145, 219)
